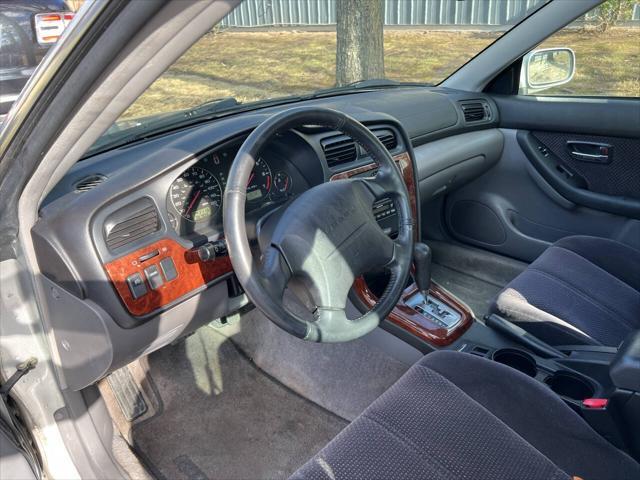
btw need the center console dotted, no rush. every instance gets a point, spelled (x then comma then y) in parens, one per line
(602, 384)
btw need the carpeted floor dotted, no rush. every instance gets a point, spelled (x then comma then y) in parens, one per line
(221, 417)
(475, 276)
(344, 378)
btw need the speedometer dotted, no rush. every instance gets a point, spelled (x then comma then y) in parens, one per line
(196, 194)
(259, 182)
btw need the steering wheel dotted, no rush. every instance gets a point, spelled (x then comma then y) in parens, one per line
(327, 237)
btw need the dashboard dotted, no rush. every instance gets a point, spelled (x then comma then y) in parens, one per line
(131, 241)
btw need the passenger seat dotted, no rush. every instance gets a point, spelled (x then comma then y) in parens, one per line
(581, 290)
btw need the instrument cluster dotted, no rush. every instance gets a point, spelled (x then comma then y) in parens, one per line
(194, 200)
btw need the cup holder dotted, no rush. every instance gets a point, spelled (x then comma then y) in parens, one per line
(517, 359)
(570, 385)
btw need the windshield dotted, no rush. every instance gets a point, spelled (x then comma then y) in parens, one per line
(277, 49)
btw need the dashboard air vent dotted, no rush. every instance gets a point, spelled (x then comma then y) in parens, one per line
(387, 138)
(131, 223)
(90, 182)
(476, 111)
(339, 150)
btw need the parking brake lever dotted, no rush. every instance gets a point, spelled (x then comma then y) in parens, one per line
(521, 336)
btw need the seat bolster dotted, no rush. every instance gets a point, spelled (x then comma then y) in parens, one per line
(564, 298)
(426, 427)
(537, 414)
(620, 260)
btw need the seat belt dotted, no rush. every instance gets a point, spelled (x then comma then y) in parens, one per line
(10, 424)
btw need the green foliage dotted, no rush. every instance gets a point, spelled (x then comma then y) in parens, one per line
(612, 12)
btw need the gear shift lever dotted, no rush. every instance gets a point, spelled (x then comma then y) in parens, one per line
(432, 308)
(422, 265)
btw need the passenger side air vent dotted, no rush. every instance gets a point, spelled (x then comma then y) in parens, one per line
(131, 223)
(387, 138)
(339, 150)
(90, 182)
(476, 111)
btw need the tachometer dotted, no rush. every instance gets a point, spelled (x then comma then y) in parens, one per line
(196, 194)
(259, 182)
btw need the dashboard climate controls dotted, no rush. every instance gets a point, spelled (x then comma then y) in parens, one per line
(385, 212)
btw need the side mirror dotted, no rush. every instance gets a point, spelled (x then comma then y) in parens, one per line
(546, 68)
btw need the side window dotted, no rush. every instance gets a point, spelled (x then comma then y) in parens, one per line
(597, 55)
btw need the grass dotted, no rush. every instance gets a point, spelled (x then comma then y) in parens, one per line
(256, 65)
(607, 64)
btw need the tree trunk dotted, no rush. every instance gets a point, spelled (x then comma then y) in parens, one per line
(360, 40)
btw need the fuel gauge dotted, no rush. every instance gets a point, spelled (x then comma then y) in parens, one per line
(282, 183)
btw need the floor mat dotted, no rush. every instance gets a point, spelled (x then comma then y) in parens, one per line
(344, 378)
(221, 417)
(473, 275)
(477, 294)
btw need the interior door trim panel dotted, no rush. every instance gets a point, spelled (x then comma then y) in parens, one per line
(588, 116)
(518, 213)
(608, 165)
(570, 185)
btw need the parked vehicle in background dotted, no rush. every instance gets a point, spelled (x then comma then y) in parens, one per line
(28, 28)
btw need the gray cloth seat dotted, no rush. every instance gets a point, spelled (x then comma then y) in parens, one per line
(581, 290)
(453, 416)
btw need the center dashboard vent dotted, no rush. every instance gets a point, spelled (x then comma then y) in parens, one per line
(131, 223)
(477, 111)
(387, 138)
(342, 149)
(339, 150)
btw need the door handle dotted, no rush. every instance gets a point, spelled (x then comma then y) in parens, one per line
(591, 152)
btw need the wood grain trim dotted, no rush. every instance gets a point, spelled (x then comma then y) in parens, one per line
(193, 274)
(407, 318)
